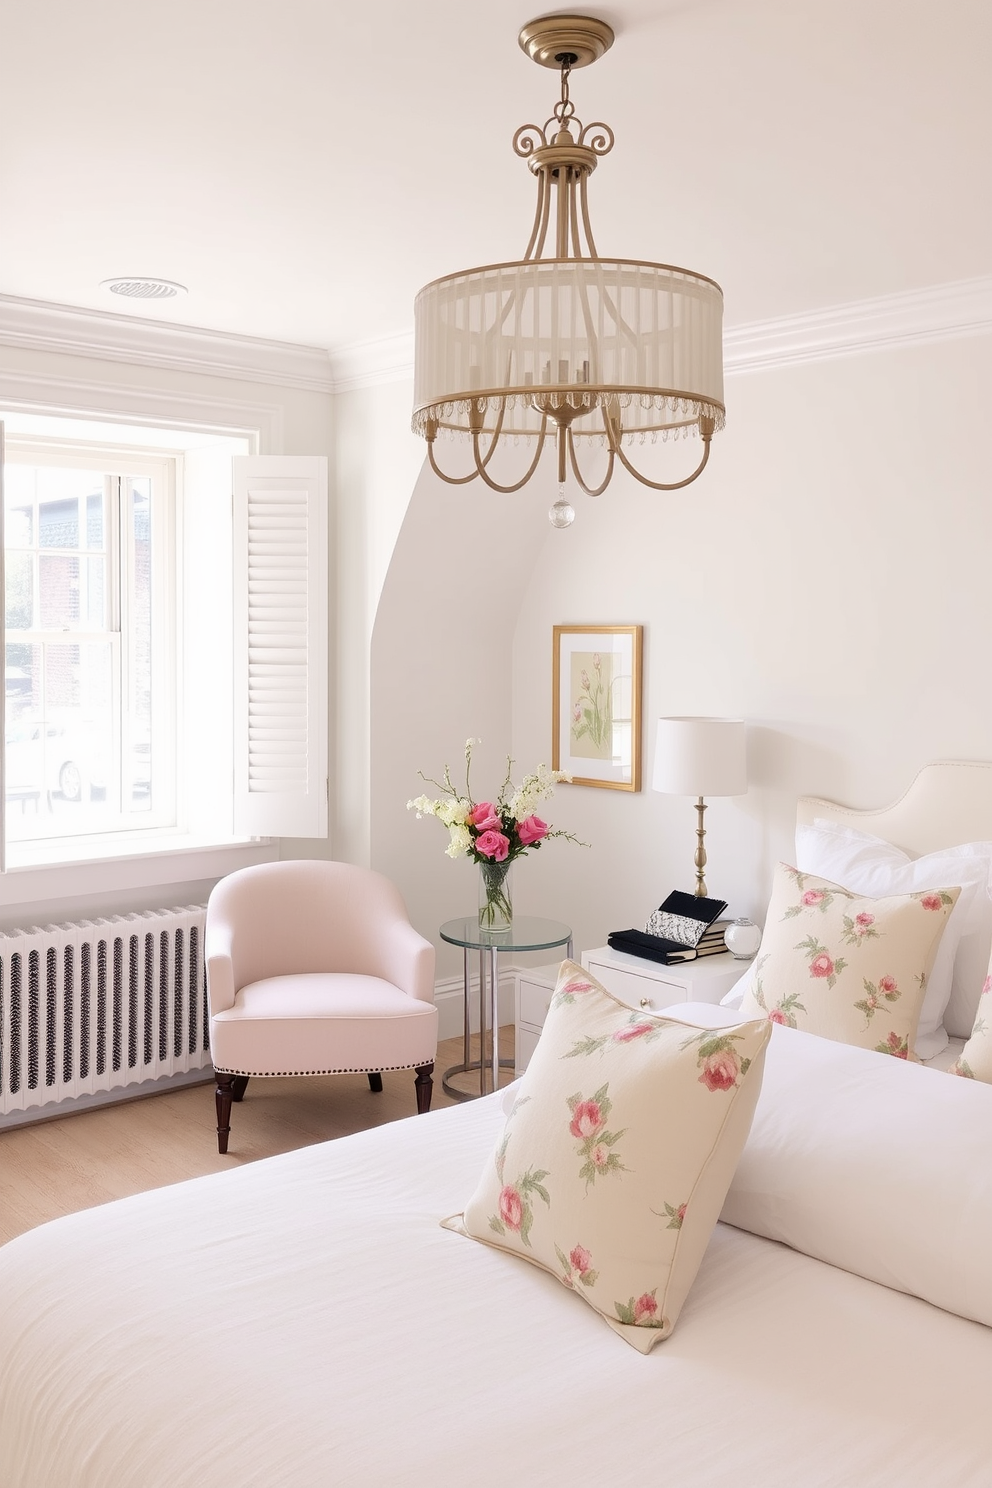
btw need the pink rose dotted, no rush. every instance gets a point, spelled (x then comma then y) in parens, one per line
(720, 1070)
(511, 1207)
(586, 1120)
(600, 1155)
(485, 817)
(812, 896)
(575, 986)
(777, 1016)
(645, 1307)
(532, 830)
(888, 988)
(987, 985)
(580, 1260)
(493, 845)
(820, 966)
(864, 920)
(680, 1212)
(577, 713)
(932, 901)
(897, 1046)
(631, 1031)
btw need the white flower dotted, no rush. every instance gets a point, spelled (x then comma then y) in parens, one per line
(423, 806)
(453, 813)
(533, 790)
(461, 841)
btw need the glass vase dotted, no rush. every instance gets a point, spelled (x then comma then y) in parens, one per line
(495, 897)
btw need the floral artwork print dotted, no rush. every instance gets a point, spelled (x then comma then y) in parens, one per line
(516, 1212)
(821, 963)
(595, 1143)
(591, 703)
(875, 992)
(577, 1266)
(721, 1065)
(640, 1312)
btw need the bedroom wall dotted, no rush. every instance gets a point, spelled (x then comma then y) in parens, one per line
(826, 580)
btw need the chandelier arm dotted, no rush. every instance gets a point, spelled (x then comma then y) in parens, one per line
(578, 474)
(497, 431)
(573, 206)
(451, 480)
(540, 228)
(480, 466)
(584, 203)
(674, 485)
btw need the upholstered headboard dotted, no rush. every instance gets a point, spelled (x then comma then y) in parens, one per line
(948, 803)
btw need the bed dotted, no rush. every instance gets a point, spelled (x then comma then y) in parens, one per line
(307, 1321)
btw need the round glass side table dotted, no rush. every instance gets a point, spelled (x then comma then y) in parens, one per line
(525, 934)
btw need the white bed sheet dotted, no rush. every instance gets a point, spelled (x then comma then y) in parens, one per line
(306, 1321)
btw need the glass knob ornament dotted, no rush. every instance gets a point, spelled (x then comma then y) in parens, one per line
(742, 939)
(562, 514)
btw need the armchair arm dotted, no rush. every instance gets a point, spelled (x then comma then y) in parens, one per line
(220, 967)
(407, 960)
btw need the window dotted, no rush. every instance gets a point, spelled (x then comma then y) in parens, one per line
(89, 611)
(165, 652)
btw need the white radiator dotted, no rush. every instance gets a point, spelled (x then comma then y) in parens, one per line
(100, 1005)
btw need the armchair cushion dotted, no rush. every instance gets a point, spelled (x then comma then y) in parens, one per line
(322, 1023)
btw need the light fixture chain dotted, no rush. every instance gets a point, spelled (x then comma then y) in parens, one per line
(565, 108)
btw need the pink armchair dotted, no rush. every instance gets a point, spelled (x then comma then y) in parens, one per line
(313, 968)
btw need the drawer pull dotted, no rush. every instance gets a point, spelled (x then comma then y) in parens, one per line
(645, 1002)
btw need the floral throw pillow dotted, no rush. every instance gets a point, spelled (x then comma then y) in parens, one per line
(844, 966)
(975, 1059)
(617, 1154)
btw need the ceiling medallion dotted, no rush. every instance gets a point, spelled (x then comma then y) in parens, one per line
(598, 350)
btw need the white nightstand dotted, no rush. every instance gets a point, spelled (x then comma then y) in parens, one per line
(635, 981)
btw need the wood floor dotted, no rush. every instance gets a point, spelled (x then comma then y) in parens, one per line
(57, 1167)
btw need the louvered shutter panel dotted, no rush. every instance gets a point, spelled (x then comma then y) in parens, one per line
(280, 646)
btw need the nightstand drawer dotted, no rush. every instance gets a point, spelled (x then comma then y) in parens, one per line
(648, 984)
(533, 1000)
(636, 990)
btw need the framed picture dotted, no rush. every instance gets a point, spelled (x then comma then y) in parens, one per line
(596, 705)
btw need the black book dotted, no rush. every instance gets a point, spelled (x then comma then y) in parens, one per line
(684, 919)
(651, 947)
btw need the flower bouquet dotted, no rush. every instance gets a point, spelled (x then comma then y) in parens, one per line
(493, 833)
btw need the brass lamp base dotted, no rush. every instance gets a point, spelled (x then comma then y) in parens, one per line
(700, 858)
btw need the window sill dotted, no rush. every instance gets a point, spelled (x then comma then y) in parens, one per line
(128, 868)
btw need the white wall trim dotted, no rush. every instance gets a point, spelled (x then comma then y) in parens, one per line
(37, 326)
(938, 312)
(449, 999)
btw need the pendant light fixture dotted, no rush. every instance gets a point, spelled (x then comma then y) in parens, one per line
(599, 352)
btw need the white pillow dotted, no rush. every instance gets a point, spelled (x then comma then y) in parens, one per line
(872, 866)
(877, 1166)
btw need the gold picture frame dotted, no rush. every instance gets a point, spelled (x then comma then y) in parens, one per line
(596, 705)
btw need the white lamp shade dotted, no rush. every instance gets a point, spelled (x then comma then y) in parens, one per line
(700, 757)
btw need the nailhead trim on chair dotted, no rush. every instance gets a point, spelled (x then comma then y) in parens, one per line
(363, 1069)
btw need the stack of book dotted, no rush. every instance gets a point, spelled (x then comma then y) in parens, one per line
(682, 929)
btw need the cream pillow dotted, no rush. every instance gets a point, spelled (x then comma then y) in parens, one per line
(975, 1059)
(618, 1151)
(844, 966)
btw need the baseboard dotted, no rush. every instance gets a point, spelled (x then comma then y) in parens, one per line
(449, 998)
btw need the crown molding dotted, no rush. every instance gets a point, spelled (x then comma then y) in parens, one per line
(38, 326)
(939, 312)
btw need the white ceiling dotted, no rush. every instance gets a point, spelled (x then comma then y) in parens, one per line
(304, 167)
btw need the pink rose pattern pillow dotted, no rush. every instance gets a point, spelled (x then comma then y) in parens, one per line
(849, 968)
(975, 1059)
(617, 1154)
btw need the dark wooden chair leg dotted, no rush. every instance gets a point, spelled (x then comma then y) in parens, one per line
(375, 1081)
(224, 1095)
(424, 1088)
(238, 1087)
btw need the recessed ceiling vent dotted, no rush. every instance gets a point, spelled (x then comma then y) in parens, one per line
(142, 287)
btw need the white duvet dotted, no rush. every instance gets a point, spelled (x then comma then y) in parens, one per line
(306, 1321)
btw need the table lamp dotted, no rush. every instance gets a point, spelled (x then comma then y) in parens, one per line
(700, 757)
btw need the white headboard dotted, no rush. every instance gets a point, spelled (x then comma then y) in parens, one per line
(946, 804)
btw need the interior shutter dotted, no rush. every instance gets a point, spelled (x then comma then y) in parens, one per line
(280, 646)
